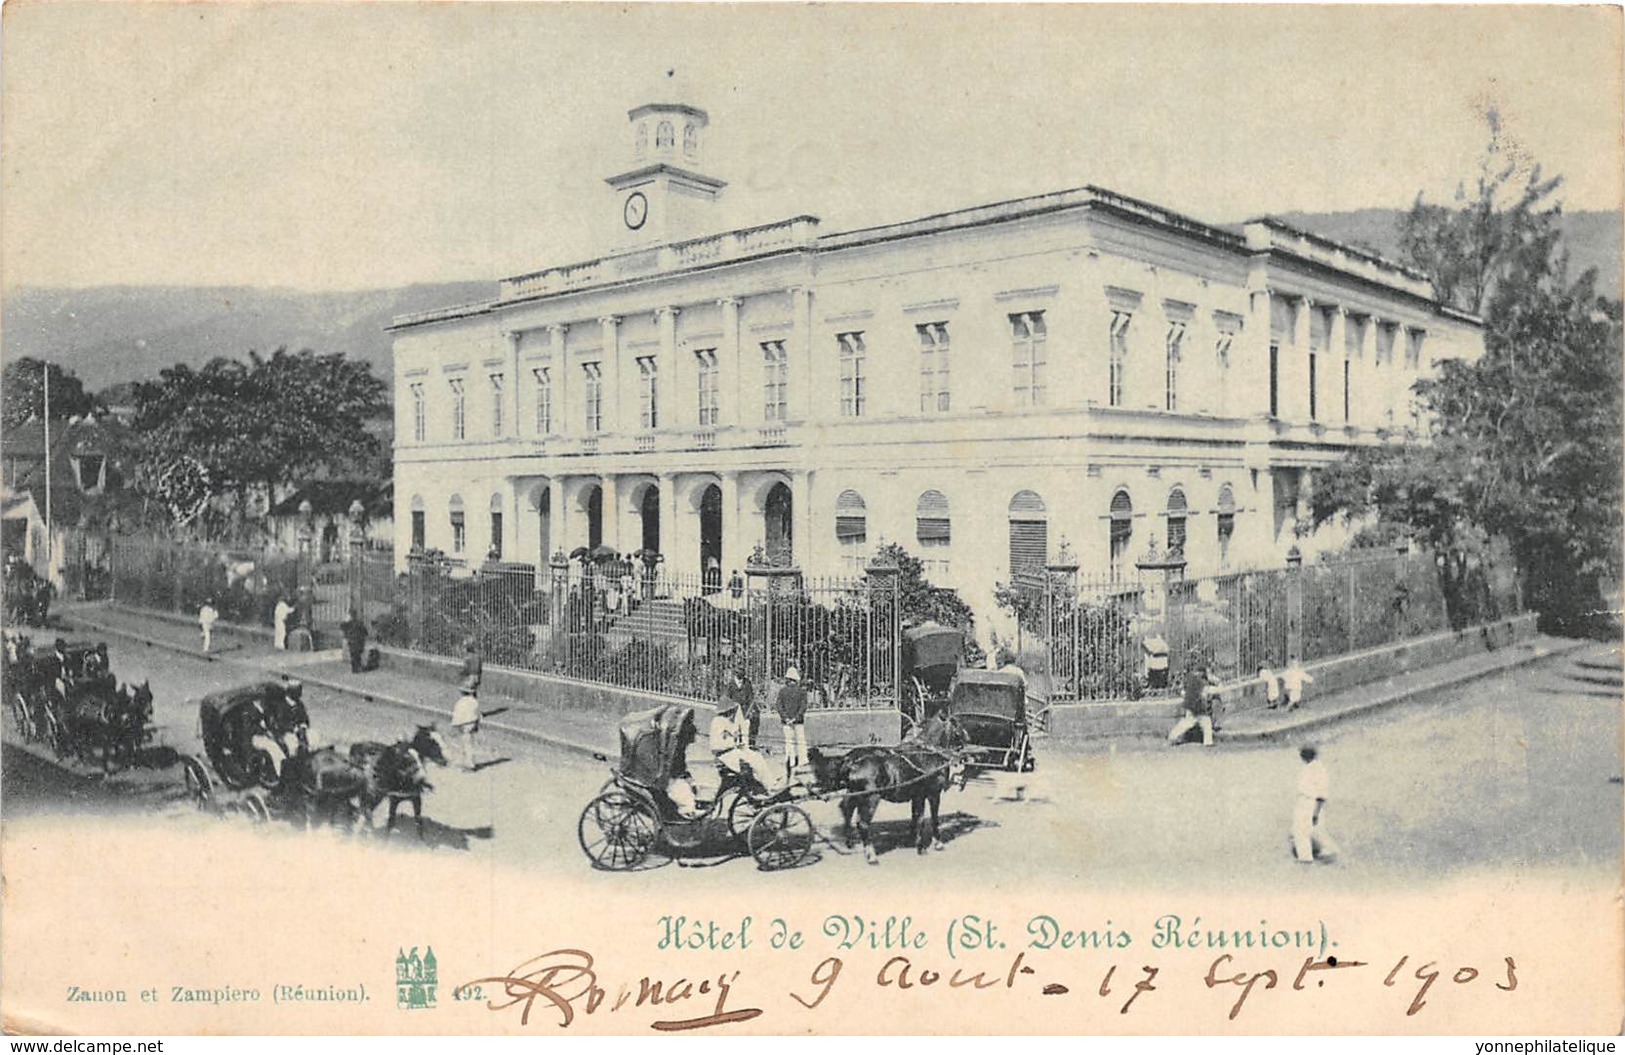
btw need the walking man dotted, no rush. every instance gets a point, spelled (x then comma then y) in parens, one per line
(206, 618)
(740, 691)
(792, 708)
(1200, 688)
(1310, 842)
(473, 671)
(354, 630)
(1272, 686)
(465, 718)
(279, 618)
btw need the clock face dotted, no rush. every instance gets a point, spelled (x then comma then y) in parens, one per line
(636, 211)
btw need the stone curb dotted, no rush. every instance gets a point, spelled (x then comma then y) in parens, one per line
(549, 739)
(1319, 720)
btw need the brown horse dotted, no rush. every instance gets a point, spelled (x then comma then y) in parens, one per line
(326, 783)
(397, 772)
(916, 771)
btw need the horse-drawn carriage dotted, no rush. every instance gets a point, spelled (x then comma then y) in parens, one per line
(68, 700)
(27, 595)
(250, 731)
(634, 813)
(987, 707)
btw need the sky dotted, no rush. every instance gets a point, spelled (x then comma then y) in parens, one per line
(349, 146)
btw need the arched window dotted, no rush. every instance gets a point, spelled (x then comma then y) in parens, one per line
(420, 527)
(495, 552)
(1029, 531)
(663, 135)
(1121, 531)
(642, 142)
(1225, 513)
(691, 139)
(1177, 512)
(851, 519)
(931, 524)
(459, 526)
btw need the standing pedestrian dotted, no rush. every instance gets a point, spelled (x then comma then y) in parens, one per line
(354, 631)
(742, 692)
(736, 585)
(1294, 678)
(792, 708)
(1272, 686)
(206, 618)
(465, 718)
(1200, 688)
(1310, 842)
(473, 671)
(279, 619)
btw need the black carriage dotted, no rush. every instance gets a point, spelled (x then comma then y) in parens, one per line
(246, 732)
(932, 655)
(634, 814)
(990, 708)
(41, 687)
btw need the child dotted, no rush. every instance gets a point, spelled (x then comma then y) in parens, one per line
(206, 618)
(1272, 686)
(1295, 678)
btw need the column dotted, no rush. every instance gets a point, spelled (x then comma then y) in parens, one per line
(672, 536)
(611, 508)
(612, 419)
(563, 383)
(1367, 407)
(736, 545)
(669, 392)
(801, 522)
(802, 395)
(729, 358)
(556, 512)
(516, 338)
(1332, 393)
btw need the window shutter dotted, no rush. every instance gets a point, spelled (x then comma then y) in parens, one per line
(1029, 544)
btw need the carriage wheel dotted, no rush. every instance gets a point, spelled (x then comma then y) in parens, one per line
(617, 831)
(781, 836)
(25, 718)
(251, 808)
(262, 770)
(1029, 761)
(741, 813)
(199, 785)
(55, 736)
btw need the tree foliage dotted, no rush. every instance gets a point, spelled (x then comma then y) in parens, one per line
(23, 398)
(1526, 442)
(255, 425)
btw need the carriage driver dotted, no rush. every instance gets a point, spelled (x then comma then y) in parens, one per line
(728, 739)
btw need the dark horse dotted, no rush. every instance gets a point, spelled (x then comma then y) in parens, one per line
(325, 782)
(114, 720)
(397, 772)
(916, 771)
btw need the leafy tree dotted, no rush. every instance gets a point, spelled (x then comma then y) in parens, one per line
(1526, 442)
(23, 386)
(236, 429)
(922, 602)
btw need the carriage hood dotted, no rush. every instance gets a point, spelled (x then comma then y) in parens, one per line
(990, 693)
(654, 744)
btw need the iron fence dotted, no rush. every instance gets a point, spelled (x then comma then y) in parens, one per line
(634, 625)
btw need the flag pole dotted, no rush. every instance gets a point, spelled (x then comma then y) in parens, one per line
(48, 526)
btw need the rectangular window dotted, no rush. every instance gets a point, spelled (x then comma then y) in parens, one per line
(496, 535)
(775, 380)
(853, 353)
(1227, 528)
(1174, 345)
(459, 531)
(1027, 334)
(593, 395)
(933, 366)
(1221, 357)
(1385, 343)
(1413, 349)
(1120, 533)
(1313, 403)
(459, 410)
(648, 392)
(1118, 357)
(851, 530)
(420, 417)
(1345, 391)
(420, 529)
(706, 361)
(496, 404)
(544, 401)
(1275, 380)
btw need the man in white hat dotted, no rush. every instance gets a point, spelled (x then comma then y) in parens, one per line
(792, 708)
(729, 733)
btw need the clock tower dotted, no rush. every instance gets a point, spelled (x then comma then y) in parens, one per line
(663, 197)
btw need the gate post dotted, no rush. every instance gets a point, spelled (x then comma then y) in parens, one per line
(558, 608)
(1294, 603)
(884, 581)
(1060, 585)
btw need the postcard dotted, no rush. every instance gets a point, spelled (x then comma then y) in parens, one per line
(532, 519)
